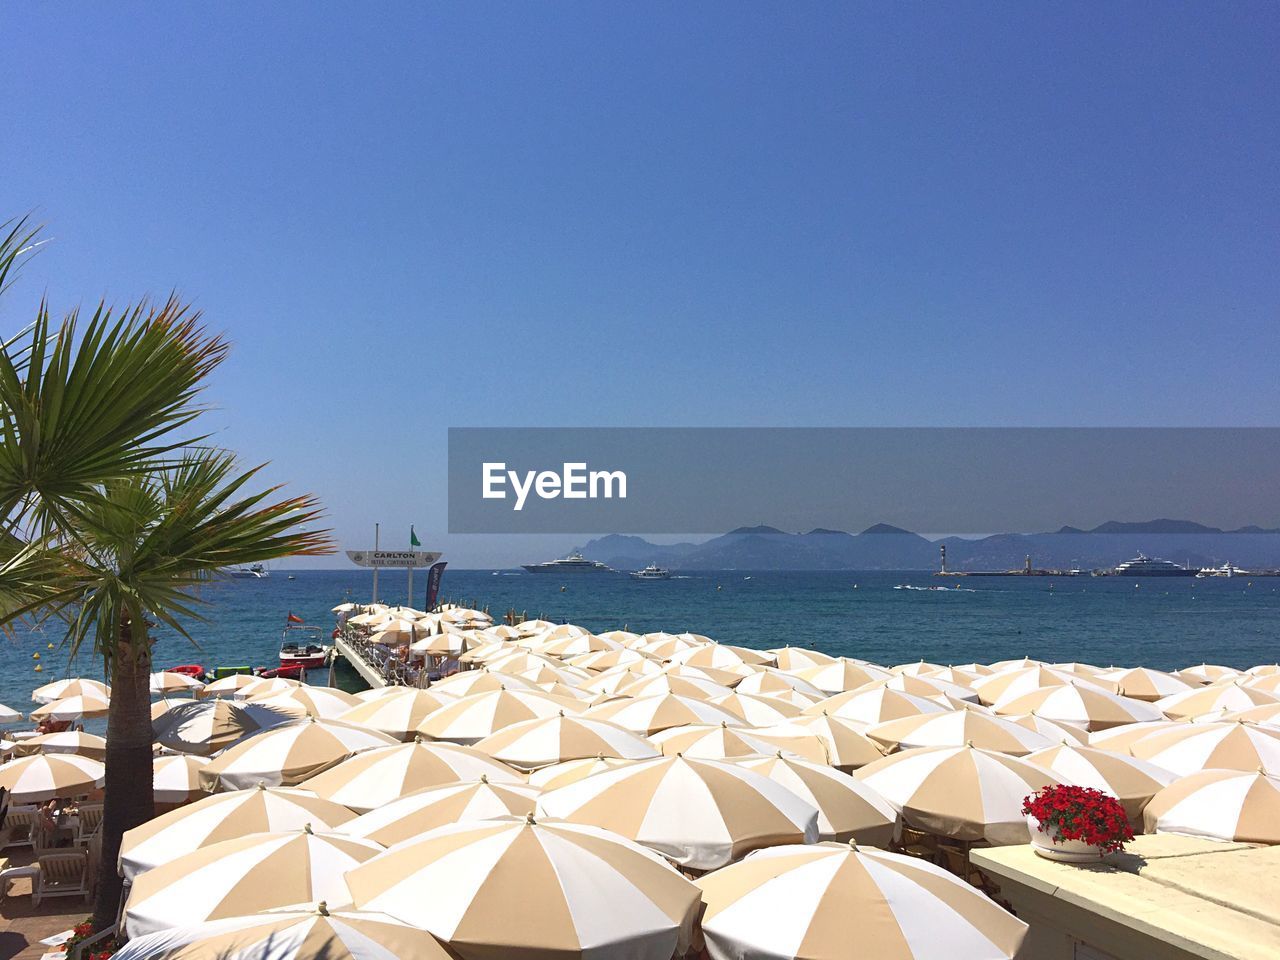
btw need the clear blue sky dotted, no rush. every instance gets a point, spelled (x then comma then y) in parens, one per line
(411, 216)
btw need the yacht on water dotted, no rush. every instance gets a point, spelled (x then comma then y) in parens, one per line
(1144, 566)
(574, 563)
(653, 572)
(1226, 570)
(255, 572)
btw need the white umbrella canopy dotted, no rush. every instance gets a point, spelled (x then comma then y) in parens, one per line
(484, 652)
(721, 656)
(759, 711)
(603, 660)
(46, 776)
(700, 814)
(833, 900)
(80, 707)
(546, 740)
(472, 718)
(325, 703)
(774, 682)
(1239, 805)
(398, 713)
(664, 646)
(207, 726)
(571, 771)
(413, 815)
(1267, 715)
(649, 715)
(1266, 682)
(288, 754)
(1055, 731)
(960, 792)
(916, 668)
(250, 874)
(847, 808)
(1120, 739)
(263, 687)
(544, 673)
(726, 678)
(624, 637)
(228, 686)
(291, 934)
(176, 778)
(1230, 745)
(842, 675)
(1079, 703)
(484, 680)
(956, 728)
(374, 778)
(73, 687)
(1132, 781)
(712, 741)
(1008, 684)
(580, 644)
(526, 889)
(529, 627)
(225, 816)
(9, 715)
(845, 743)
(799, 658)
(1207, 673)
(165, 681)
(927, 687)
(793, 740)
(1232, 696)
(664, 683)
(1143, 683)
(69, 741)
(608, 683)
(869, 707)
(450, 643)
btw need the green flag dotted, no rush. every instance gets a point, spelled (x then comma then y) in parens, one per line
(413, 538)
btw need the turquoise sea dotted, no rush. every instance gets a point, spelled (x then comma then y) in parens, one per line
(1160, 623)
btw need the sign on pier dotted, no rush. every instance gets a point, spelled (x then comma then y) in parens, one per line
(393, 558)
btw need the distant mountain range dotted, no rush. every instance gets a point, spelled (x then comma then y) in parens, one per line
(885, 547)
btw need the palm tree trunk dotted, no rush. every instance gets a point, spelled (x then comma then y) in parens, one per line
(129, 798)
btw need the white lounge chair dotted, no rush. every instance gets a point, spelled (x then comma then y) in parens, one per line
(61, 874)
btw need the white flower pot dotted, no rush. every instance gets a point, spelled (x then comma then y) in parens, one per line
(1067, 851)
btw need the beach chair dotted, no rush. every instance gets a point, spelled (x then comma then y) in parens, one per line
(18, 825)
(10, 875)
(90, 819)
(61, 874)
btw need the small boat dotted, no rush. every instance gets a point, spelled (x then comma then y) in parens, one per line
(651, 572)
(255, 572)
(294, 671)
(304, 647)
(220, 672)
(193, 670)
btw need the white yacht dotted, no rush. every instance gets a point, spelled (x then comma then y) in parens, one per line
(255, 572)
(574, 563)
(1144, 566)
(651, 572)
(1226, 570)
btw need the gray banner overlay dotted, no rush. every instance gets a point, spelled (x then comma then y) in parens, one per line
(926, 480)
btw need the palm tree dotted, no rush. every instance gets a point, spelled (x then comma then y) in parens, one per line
(115, 513)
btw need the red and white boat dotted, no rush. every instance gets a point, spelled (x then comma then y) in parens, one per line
(303, 646)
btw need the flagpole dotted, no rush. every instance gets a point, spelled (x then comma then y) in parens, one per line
(409, 602)
(375, 562)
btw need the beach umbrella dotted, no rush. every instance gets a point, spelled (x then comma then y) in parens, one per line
(168, 682)
(845, 744)
(413, 815)
(773, 682)
(522, 888)
(225, 816)
(249, 874)
(46, 776)
(367, 619)
(484, 652)
(799, 658)
(527, 627)
(1021, 663)
(1085, 670)
(1207, 673)
(229, 685)
(916, 668)
(1119, 739)
(976, 669)
(1143, 683)
(758, 711)
(585, 697)
(957, 728)
(176, 778)
(1132, 781)
(472, 718)
(1008, 684)
(398, 713)
(571, 771)
(927, 687)
(649, 715)
(263, 687)
(847, 808)
(1080, 703)
(545, 673)
(74, 687)
(291, 934)
(956, 675)
(483, 680)
(608, 683)
(964, 793)
(1055, 731)
(1218, 697)
(448, 644)
(842, 675)
(664, 646)
(664, 683)
(576, 646)
(869, 707)
(9, 715)
(207, 726)
(1238, 805)
(793, 740)
(69, 741)
(835, 900)
(1266, 682)
(700, 814)
(1267, 715)
(80, 707)
(1193, 747)
(721, 656)
(159, 709)
(726, 678)
(288, 754)
(546, 740)
(377, 777)
(326, 703)
(520, 662)
(712, 741)
(603, 660)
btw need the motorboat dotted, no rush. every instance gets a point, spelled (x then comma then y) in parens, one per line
(651, 572)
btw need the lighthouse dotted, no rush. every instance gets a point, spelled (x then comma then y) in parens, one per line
(943, 550)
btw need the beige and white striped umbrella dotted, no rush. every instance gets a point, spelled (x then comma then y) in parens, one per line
(758, 711)
(207, 726)
(957, 728)
(1267, 715)
(608, 683)
(46, 776)
(9, 715)
(833, 900)
(527, 627)
(916, 668)
(546, 740)
(69, 741)
(794, 740)
(168, 682)
(722, 656)
(1008, 684)
(776, 683)
(1143, 683)
(82, 707)
(288, 754)
(930, 688)
(700, 814)
(726, 678)
(398, 713)
(957, 675)
(246, 875)
(1120, 739)
(325, 703)
(869, 707)
(159, 709)
(1266, 682)
(847, 808)
(484, 680)
(602, 660)
(1019, 664)
(264, 687)
(571, 771)
(649, 715)
(664, 646)
(1080, 703)
(526, 889)
(1239, 805)
(374, 778)
(1228, 697)
(845, 744)
(74, 687)
(1194, 747)
(663, 683)
(799, 658)
(301, 934)
(1132, 781)
(450, 643)
(544, 673)
(977, 669)
(228, 686)
(470, 719)
(484, 652)
(587, 697)
(625, 637)
(520, 661)
(1055, 731)
(1207, 673)
(576, 646)
(225, 816)
(413, 815)
(176, 778)
(842, 676)
(960, 792)
(712, 741)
